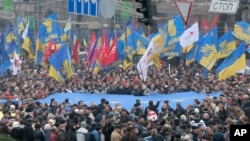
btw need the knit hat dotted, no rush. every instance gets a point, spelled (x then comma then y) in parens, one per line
(138, 101)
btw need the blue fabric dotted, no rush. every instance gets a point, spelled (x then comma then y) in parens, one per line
(127, 101)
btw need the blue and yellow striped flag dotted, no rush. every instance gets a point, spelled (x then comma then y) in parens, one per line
(226, 45)
(234, 62)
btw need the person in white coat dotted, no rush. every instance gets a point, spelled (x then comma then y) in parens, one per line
(82, 132)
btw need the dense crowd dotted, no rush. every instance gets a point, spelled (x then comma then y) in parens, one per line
(28, 120)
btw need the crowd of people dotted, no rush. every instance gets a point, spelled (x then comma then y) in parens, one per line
(26, 119)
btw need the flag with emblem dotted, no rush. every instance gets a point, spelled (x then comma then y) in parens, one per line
(15, 63)
(190, 35)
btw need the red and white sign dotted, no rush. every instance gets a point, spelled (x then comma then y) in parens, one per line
(184, 8)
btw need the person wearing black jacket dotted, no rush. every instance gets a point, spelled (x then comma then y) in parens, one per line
(154, 107)
(28, 131)
(37, 133)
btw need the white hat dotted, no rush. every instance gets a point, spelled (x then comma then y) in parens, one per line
(47, 127)
(76, 110)
(51, 122)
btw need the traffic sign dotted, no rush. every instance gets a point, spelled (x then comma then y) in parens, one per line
(107, 8)
(84, 7)
(225, 6)
(184, 8)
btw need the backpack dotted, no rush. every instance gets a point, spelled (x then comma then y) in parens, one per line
(89, 137)
(17, 133)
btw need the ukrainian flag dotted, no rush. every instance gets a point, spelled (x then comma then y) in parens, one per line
(20, 25)
(233, 63)
(4, 58)
(67, 64)
(10, 40)
(207, 53)
(29, 43)
(59, 57)
(190, 55)
(175, 29)
(54, 74)
(241, 31)
(226, 45)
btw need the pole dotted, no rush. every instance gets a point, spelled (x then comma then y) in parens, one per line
(169, 69)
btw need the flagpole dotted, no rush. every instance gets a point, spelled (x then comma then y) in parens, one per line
(141, 70)
(169, 69)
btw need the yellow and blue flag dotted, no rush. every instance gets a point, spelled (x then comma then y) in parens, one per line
(207, 53)
(4, 58)
(66, 30)
(175, 28)
(28, 42)
(190, 55)
(52, 28)
(67, 64)
(226, 45)
(10, 40)
(59, 57)
(20, 25)
(234, 62)
(54, 74)
(241, 31)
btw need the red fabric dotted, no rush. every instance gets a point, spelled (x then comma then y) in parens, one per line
(112, 55)
(48, 51)
(75, 52)
(104, 49)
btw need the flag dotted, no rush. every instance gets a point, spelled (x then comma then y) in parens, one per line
(190, 35)
(92, 46)
(67, 64)
(15, 63)
(57, 59)
(95, 50)
(157, 45)
(233, 63)
(54, 74)
(144, 62)
(241, 31)
(10, 40)
(20, 25)
(190, 55)
(175, 28)
(104, 48)
(5, 62)
(50, 49)
(66, 31)
(28, 41)
(75, 57)
(207, 53)
(226, 45)
(112, 55)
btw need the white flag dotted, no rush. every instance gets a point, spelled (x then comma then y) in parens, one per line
(190, 35)
(25, 32)
(143, 64)
(15, 63)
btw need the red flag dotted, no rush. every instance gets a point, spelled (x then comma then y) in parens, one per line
(75, 52)
(91, 47)
(48, 51)
(112, 55)
(215, 21)
(104, 48)
(204, 25)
